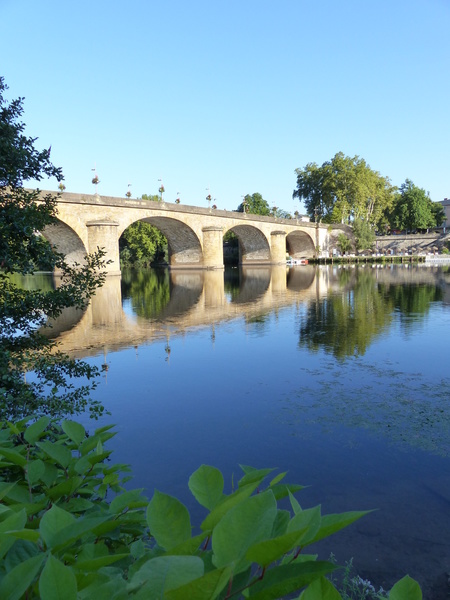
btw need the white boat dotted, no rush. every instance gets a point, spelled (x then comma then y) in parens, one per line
(291, 262)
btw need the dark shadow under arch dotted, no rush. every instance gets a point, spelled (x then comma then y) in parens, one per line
(65, 240)
(185, 250)
(253, 245)
(300, 245)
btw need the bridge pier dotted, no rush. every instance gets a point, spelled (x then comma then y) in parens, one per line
(212, 247)
(104, 234)
(278, 247)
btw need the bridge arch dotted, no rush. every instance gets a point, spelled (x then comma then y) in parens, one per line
(65, 240)
(300, 245)
(184, 247)
(254, 247)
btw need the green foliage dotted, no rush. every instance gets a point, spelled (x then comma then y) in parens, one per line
(364, 234)
(61, 538)
(343, 243)
(438, 213)
(23, 215)
(151, 197)
(414, 209)
(255, 205)
(344, 189)
(354, 587)
(142, 244)
(281, 214)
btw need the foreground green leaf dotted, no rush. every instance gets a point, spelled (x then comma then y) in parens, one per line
(249, 522)
(285, 579)
(168, 520)
(320, 589)
(15, 583)
(206, 484)
(57, 582)
(164, 573)
(406, 589)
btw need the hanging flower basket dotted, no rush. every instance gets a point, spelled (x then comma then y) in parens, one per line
(161, 190)
(95, 180)
(177, 201)
(128, 194)
(208, 197)
(214, 206)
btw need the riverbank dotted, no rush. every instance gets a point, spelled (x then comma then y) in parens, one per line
(354, 259)
(431, 259)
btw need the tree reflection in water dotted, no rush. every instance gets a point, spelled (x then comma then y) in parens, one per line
(149, 291)
(346, 322)
(349, 320)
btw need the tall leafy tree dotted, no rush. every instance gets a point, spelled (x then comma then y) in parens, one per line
(414, 208)
(34, 377)
(343, 189)
(255, 205)
(314, 187)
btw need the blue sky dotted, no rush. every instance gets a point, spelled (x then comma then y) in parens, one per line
(231, 95)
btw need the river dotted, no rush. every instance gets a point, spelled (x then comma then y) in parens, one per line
(337, 375)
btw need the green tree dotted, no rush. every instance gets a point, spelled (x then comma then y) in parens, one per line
(142, 244)
(23, 215)
(344, 189)
(414, 208)
(281, 213)
(255, 205)
(314, 187)
(438, 213)
(343, 243)
(364, 234)
(151, 197)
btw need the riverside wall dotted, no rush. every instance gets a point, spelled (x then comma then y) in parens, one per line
(396, 244)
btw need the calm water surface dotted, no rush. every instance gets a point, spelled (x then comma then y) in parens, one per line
(339, 376)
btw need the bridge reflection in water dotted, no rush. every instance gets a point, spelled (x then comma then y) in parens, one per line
(194, 299)
(150, 305)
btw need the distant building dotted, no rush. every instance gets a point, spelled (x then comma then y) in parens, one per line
(446, 206)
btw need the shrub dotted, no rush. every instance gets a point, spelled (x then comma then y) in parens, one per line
(61, 538)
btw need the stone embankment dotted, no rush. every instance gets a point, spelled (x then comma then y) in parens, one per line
(419, 243)
(397, 244)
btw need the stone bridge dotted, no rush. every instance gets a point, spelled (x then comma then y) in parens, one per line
(194, 235)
